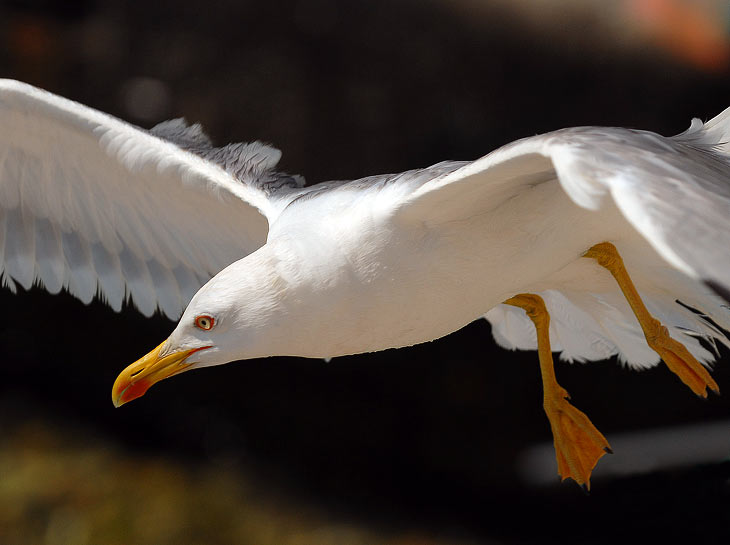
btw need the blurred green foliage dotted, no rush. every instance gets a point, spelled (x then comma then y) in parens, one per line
(61, 488)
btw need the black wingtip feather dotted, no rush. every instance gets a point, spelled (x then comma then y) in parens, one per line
(719, 289)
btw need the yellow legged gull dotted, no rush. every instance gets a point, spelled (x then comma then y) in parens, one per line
(580, 241)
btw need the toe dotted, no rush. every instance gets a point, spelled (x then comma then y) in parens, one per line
(578, 444)
(690, 371)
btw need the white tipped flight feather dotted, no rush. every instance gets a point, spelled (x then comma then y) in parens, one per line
(98, 206)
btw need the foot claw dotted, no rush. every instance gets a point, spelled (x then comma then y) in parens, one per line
(608, 450)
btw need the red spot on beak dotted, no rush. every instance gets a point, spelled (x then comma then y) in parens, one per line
(133, 391)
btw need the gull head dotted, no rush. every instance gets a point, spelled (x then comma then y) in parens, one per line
(225, 321)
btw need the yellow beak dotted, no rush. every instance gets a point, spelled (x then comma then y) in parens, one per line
(136, 379)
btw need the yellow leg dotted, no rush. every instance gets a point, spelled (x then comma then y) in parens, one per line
(578, 444)
(675, 354)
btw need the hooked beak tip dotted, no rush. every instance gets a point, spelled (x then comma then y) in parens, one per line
(125, 393)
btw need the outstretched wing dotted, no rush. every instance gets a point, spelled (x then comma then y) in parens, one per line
(97, 206)
(675, 192)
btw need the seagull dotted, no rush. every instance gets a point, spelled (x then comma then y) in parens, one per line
(591, 242)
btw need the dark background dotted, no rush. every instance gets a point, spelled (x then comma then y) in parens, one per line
(418, 445)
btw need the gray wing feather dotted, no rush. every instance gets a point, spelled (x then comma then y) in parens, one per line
(400, 184)
(251, 163)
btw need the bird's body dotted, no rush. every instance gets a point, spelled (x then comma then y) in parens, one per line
(99, 207)
(363, 277)
(363, 283)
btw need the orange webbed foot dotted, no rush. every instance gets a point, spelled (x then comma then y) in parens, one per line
(578, 444)
(680, 361)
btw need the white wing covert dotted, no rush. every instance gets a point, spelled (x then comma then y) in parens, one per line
(97, 206)
(675, 192)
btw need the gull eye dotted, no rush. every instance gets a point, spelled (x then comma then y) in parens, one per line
(204, 322)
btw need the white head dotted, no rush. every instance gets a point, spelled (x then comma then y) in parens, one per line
(234, 316)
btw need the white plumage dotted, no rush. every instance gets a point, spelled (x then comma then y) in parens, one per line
(99, 207)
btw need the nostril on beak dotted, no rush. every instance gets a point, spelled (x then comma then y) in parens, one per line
(136, 373)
